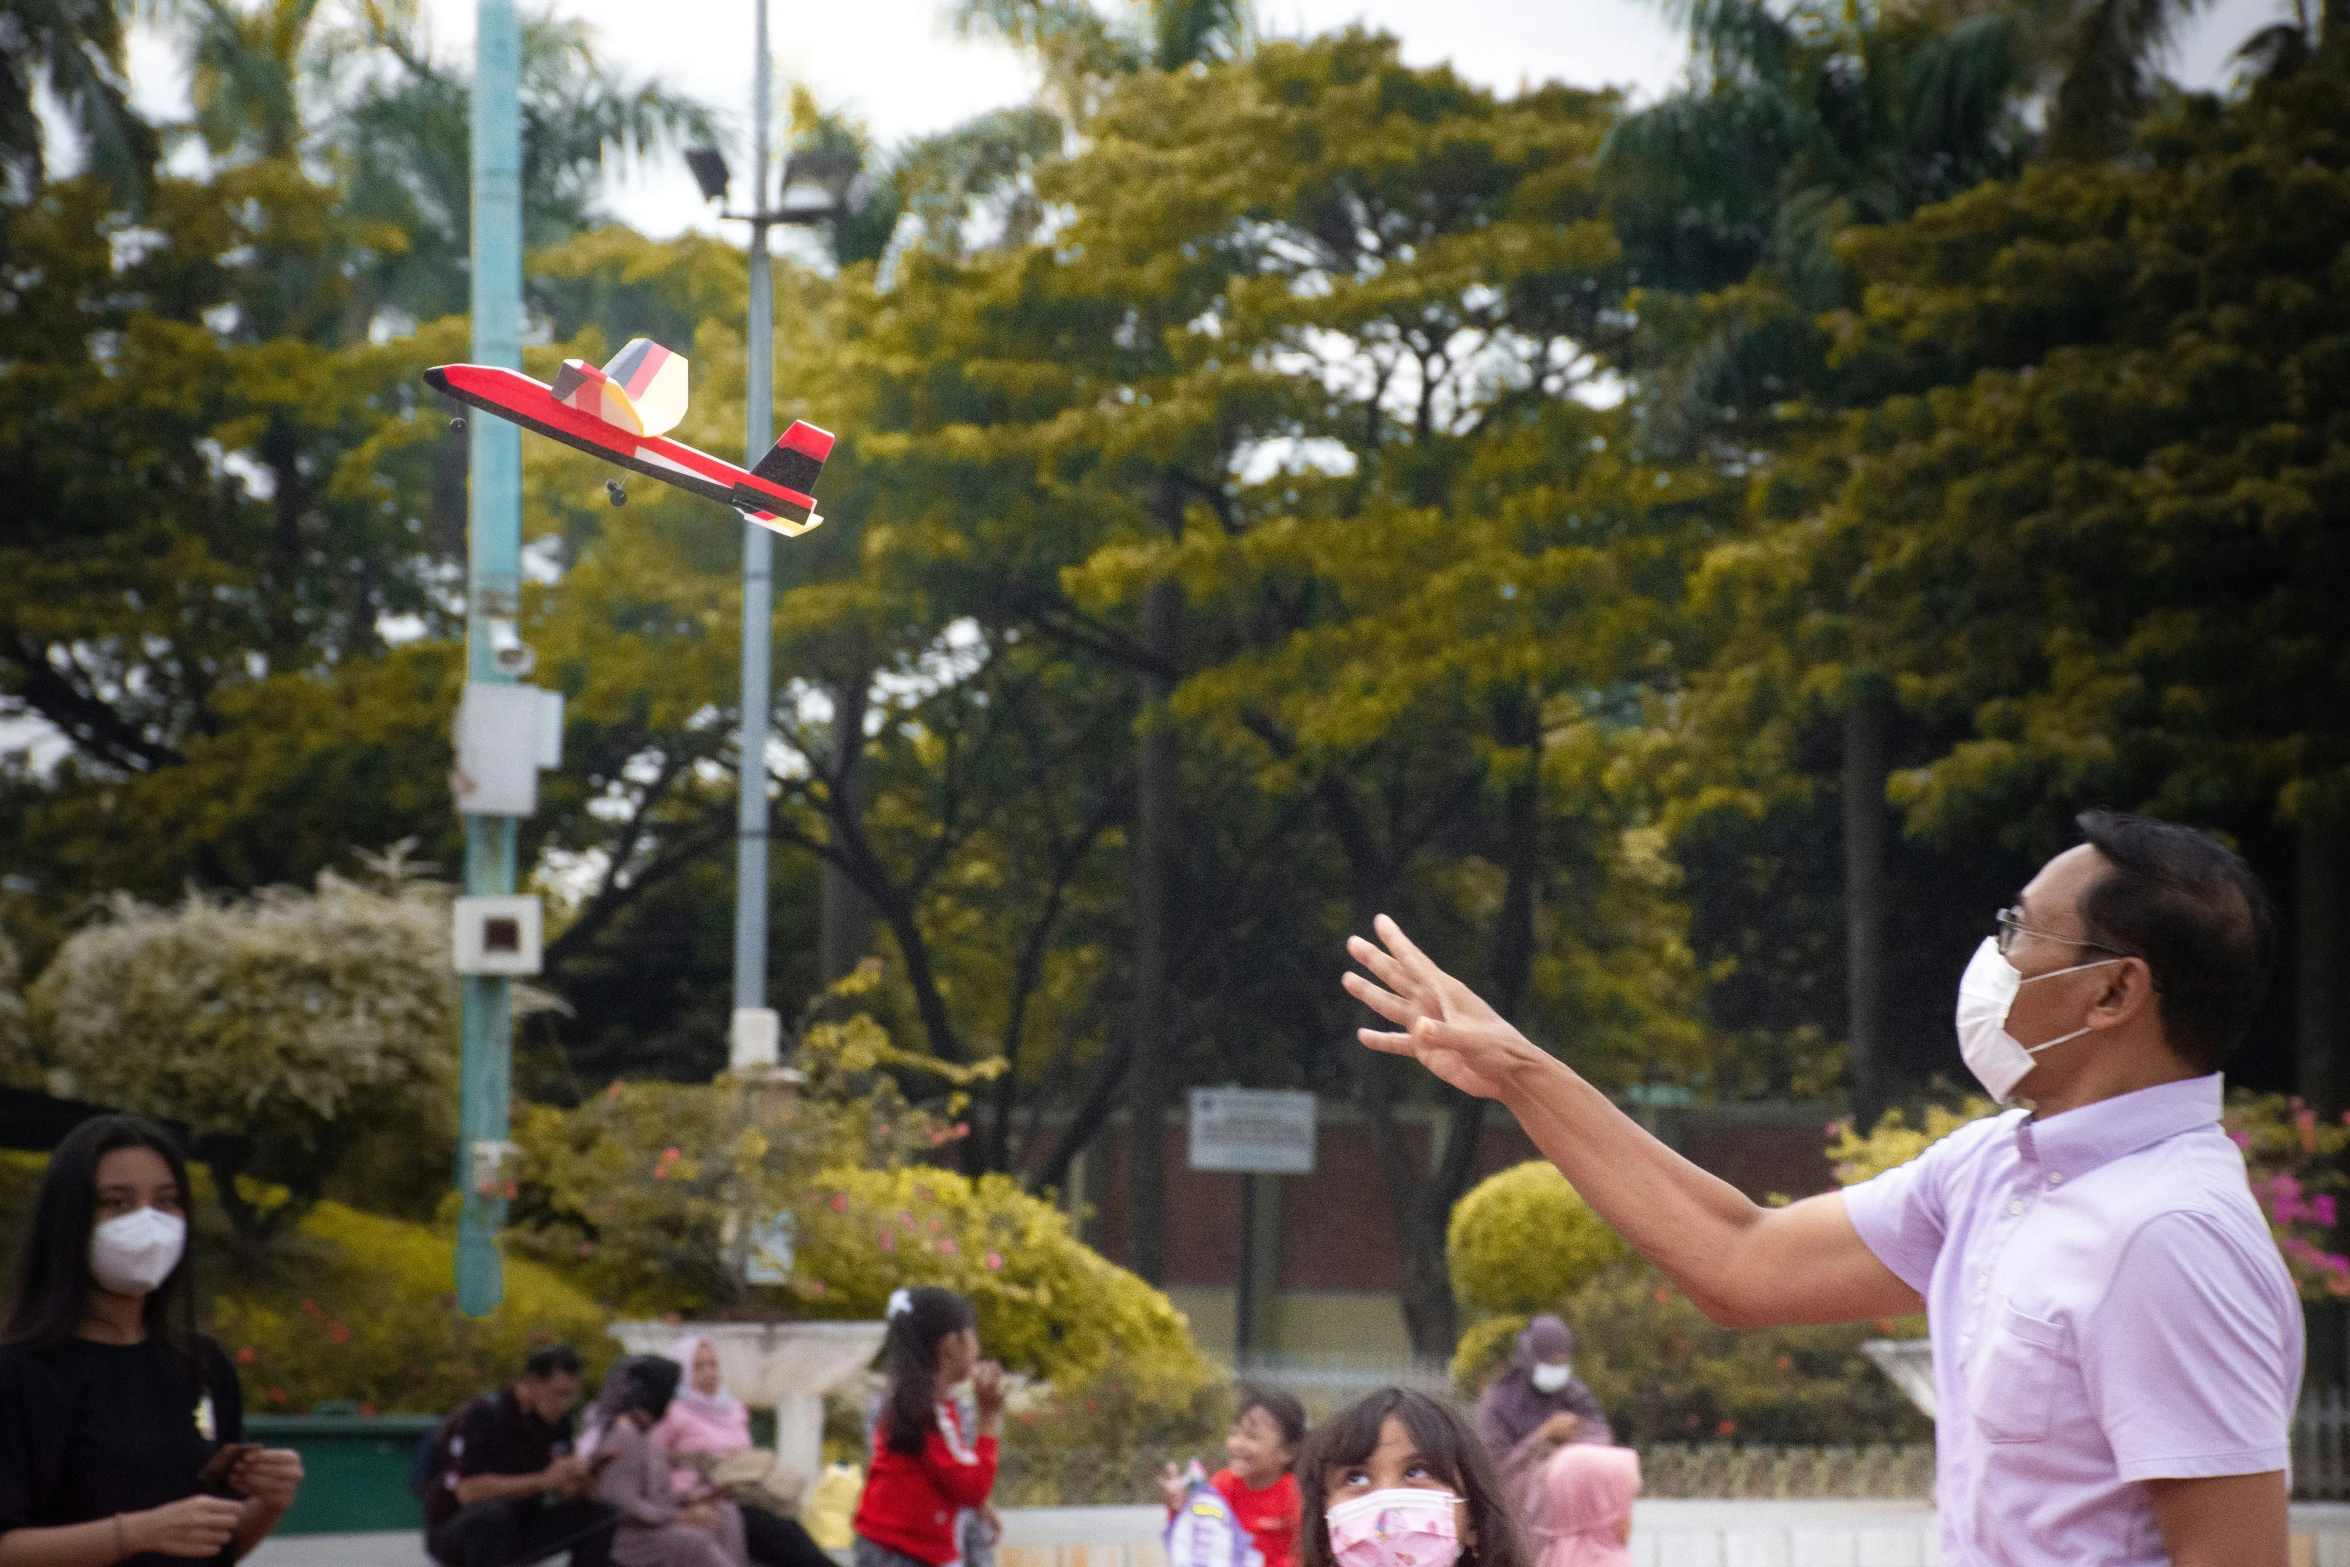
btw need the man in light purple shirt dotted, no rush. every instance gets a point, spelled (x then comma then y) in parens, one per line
(2117, 1345)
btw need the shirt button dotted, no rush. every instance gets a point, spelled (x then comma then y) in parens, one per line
(2015, 1207)
(2056, 1180)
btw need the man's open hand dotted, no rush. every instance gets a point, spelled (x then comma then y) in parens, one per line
(1445, 1026)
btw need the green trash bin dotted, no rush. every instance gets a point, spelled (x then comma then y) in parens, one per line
(354, 1469)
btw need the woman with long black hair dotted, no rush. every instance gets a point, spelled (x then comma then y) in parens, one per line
(122, 1427)
(926, 1467)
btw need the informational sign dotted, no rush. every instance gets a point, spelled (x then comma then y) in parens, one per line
(1261, 1131)
(770, 1258)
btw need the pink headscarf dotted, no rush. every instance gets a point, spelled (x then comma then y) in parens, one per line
(710, 1425)
(1577, 1501)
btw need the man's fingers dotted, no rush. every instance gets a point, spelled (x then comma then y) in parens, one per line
(1412, 958)
(1387, 1004)
(1388, 971)
(1392, 1044)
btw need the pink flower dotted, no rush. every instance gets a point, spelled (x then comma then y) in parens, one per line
(2240, 1139)
(994, 1261)
(889, 1240)
(2322, 1206)
(946, 1246)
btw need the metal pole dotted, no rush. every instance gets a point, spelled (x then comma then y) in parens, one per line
(754, 1028)
(493, 592)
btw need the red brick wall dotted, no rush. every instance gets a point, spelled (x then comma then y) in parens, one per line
(1338, 1224)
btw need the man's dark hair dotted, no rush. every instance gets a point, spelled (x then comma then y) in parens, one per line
(2191, 907)
(550, 1359)
(53, 1259)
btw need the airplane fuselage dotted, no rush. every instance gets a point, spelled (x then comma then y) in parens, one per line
(532, 404)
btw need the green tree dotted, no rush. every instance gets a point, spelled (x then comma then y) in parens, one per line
(2105, 504)
(282, 1028)
(74, 49)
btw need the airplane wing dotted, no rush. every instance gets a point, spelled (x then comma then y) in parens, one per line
(763, 494)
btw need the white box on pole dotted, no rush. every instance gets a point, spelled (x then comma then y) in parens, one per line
(500, 740)
(754, 1039)
(1263, 1131)
(497, 935)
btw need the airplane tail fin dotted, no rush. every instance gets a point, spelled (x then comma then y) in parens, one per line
(797, 459)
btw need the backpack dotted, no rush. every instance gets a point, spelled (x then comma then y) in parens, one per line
(435, 1453)
(1203, 1532)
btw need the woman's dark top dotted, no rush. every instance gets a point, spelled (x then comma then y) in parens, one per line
(90, 1430)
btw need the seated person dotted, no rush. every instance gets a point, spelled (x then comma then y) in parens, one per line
(507, 1488)
(658, 1526)
(706, 1423)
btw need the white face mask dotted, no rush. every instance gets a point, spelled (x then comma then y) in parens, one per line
(135, 1252)
(1985, 992)
(1549, 1379)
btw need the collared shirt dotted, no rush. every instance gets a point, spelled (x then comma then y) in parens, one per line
(2107, 1307)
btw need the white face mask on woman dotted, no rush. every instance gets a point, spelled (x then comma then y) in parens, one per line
(1549, 1379)
(133, 1253)
(1985, 992)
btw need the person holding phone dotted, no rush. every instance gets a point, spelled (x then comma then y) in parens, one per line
(122, 1427)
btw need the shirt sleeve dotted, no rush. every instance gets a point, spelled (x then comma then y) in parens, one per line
(2193, 1359)
(965, 1482)
(1903, 1214)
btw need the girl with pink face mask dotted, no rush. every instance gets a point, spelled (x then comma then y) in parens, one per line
(1399, 1480)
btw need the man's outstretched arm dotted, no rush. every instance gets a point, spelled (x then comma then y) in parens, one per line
(1744, 1265)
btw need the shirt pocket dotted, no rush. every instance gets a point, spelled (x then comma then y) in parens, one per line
(2013, 1392)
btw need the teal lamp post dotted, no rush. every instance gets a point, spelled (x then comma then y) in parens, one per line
(494, 653)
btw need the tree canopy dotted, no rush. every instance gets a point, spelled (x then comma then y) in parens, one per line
(1684, 563)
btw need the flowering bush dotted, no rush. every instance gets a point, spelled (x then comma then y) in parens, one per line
(1520, 1240)
(2294, 1159)
(1100, 1440)
(284, 1028)
(1664, 1373)
(359, 1309)
(639, 1194)
(1048, 1304)
(1893, 1141)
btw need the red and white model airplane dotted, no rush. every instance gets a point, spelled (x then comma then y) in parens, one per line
(619, 413)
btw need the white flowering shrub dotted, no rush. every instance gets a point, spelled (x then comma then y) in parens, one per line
(281, 1028)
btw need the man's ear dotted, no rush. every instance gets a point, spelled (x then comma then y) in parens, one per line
(2128, 995)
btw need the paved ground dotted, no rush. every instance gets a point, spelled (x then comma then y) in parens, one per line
(1667, 1534)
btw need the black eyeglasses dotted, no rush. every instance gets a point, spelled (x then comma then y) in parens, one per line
(2011, 925)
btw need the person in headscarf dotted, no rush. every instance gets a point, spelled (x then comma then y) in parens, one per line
(706, 1423)
(658, 1527)
(1538, 1404)
(1578, 1506)
(704, 1420)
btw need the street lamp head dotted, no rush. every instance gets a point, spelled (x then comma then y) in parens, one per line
(709, 166)
(827, 169)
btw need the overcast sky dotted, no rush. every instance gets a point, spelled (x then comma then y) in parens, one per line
(893, 62)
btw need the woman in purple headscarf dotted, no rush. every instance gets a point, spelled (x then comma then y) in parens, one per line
(1539, 1404)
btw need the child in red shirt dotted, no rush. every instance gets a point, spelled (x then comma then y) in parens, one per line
(926, 1467)
(1256, 1481)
